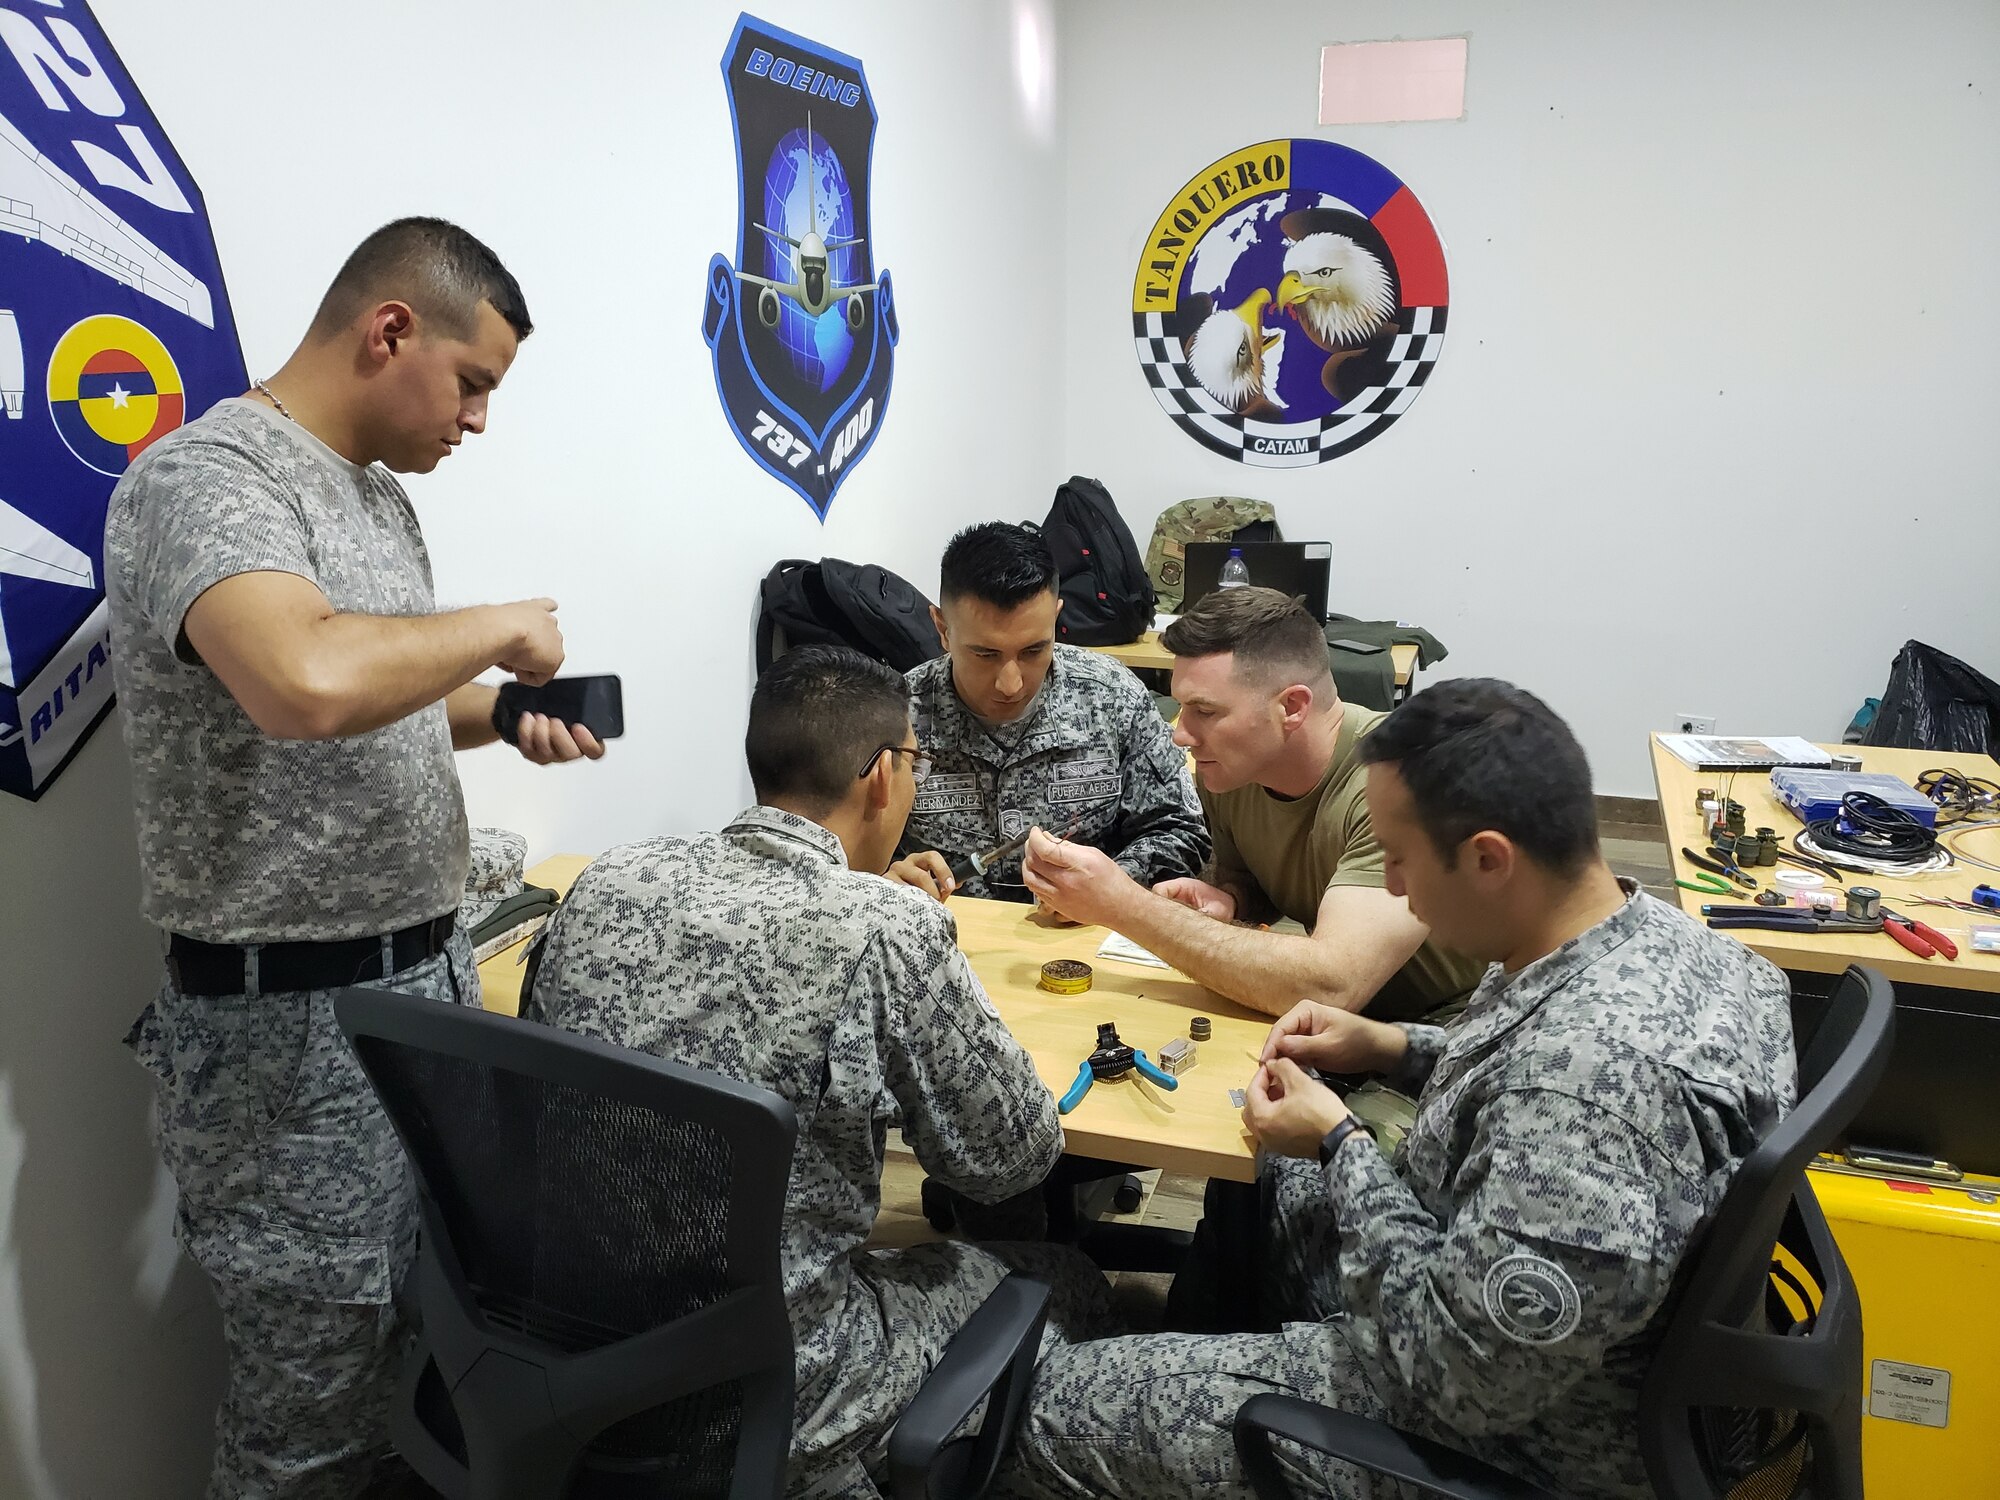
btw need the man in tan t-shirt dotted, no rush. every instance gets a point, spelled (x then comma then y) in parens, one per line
(1283, 790)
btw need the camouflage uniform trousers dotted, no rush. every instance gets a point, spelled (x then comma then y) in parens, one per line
(1149, 1417)
(927, 1293)
(296, 1199)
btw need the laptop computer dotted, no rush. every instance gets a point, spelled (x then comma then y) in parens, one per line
(1302, 568)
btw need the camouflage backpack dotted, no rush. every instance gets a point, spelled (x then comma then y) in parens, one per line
(1213, 518)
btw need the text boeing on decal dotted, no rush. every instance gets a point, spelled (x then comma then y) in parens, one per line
(813, 84)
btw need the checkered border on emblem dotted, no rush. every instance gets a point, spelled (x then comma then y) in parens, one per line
(1413, 356)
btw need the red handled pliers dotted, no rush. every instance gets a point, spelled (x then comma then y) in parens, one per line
(1920, 938)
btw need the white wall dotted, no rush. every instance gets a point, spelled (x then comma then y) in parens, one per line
(1715, 269)
(590, 145)
(1721, 329)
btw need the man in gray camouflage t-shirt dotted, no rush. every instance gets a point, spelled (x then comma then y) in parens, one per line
(1501, 1282)
(292, 698)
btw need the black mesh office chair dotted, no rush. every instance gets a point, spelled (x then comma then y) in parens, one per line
(1755, 1390)
(598, 1279)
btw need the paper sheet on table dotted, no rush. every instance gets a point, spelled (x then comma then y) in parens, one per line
(1124, 948)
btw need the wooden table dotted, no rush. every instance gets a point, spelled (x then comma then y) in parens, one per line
(1193, 1129)
(1147, 654)
(1829, 953)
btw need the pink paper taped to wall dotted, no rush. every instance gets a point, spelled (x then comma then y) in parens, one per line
(1373, 83)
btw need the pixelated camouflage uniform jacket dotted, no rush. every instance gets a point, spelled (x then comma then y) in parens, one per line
(1508, 1278)
(1091, 752)
(758, 954)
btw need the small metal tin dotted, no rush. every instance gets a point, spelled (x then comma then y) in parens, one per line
(1199, 1028)
(1065, 976)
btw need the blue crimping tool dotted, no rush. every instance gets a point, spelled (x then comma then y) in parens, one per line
(1112, 1059)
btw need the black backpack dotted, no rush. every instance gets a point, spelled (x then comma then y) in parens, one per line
(836, 603)
(1107, 595)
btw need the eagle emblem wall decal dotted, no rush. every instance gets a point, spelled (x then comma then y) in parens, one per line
(1290, 303)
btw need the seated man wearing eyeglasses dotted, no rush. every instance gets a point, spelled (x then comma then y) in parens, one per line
(774, 952)
(1030, 733)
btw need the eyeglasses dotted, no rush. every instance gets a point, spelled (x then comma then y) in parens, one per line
(920, 760)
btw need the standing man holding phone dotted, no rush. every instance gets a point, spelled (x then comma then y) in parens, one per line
(292, 697)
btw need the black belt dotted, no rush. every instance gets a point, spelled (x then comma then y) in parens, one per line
(199, 968)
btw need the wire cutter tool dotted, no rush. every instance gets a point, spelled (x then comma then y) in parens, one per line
(1708, 885)
(1920, 938)
(1726, 866)
(1112, 1059)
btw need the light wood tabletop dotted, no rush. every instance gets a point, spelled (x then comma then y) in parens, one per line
(1193, 1129)
(1829, 953)
(1147, 654)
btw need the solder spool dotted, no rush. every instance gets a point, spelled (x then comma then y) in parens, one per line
(1065, 976)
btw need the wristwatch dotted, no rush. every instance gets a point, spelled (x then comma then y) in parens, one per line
(1337, 1137)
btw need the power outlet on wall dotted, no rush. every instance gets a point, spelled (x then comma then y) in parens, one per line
(1694, 724)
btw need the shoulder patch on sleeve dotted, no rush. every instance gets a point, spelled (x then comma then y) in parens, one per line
(1532, 1300)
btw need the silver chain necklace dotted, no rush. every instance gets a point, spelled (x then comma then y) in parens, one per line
(276, 402)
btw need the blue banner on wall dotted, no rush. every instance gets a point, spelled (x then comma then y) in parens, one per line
(801, 323)
(114, 330)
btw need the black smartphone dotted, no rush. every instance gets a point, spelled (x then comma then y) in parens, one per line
(1365, 648)
(597, 703)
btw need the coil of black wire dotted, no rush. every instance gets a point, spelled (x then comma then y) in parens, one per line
(1869, 828)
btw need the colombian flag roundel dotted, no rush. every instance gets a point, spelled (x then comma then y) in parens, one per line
(113, 391)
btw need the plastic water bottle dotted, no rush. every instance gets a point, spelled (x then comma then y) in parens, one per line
(1235, 572)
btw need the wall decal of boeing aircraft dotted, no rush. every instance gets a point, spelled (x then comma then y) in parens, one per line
(13, 365)
(810, 286)
(40, 201)
(29, 549)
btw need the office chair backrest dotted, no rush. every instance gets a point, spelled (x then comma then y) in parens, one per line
(599, 1277)
(1755, 1393)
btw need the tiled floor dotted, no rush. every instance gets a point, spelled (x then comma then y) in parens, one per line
(1633, 848)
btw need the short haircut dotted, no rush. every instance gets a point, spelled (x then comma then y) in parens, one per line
(1272, 635)
(816, 716)
(1477, 754)
(999, 563)
(436, 267)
